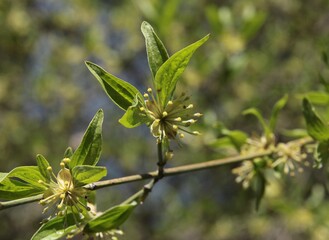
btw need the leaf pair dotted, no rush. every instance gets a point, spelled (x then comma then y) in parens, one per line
(165, 73)
(83, 160)
(269, 126)
(62, 226)
(166, 70)
(25, 181)
(21, 182)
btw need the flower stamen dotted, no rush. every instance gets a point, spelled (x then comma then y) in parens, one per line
(167, 119)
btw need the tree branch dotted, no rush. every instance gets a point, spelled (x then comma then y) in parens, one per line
(21, 201)
(175, 170)
(167, 172)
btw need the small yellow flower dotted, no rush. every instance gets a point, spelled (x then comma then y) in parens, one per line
(257, 145)
(245, 173)
(291, 157)
(62, 192)
(171, 120)
(248, 169)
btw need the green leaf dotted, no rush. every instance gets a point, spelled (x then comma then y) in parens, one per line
(258, 186)
(237, 138)
(43, 164)
(90, 148)
(316, 128)
(133, 117)
(317, 97)
(222, 142)
(2, 176)
(169, 73)
(56, 228)
(21, 182)
(257, 114)
(120, 92)
(295, 133)
(321, 154)
(110, 219)
(275, 112)
(156, 51)
(83, 175)
(68, 153)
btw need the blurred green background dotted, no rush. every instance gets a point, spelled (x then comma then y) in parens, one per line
(258, 51)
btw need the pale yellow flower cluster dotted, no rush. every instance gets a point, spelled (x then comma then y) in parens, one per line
(62, 192)
(171, 120)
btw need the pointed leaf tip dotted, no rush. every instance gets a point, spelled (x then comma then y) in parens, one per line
(255, 112)
(89, 150)
(170, 71)
(156, 51)
(316, 128)
(83, 175)
(110, 219)
(279, 105)
(119, 91)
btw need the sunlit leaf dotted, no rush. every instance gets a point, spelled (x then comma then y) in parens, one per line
(43, 164)
(169, 73)
(316, 128)
(110, 219)
(156, 51)
(83, 175)
(56, 228)
(90, 148)
(275, 111)
(21, 182)
(133, 117)
(2, 176)
(121, 92)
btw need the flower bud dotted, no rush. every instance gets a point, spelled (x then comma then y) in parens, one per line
(66, 160)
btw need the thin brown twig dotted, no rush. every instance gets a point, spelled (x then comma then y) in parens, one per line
(167, 172)
(175, 170)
